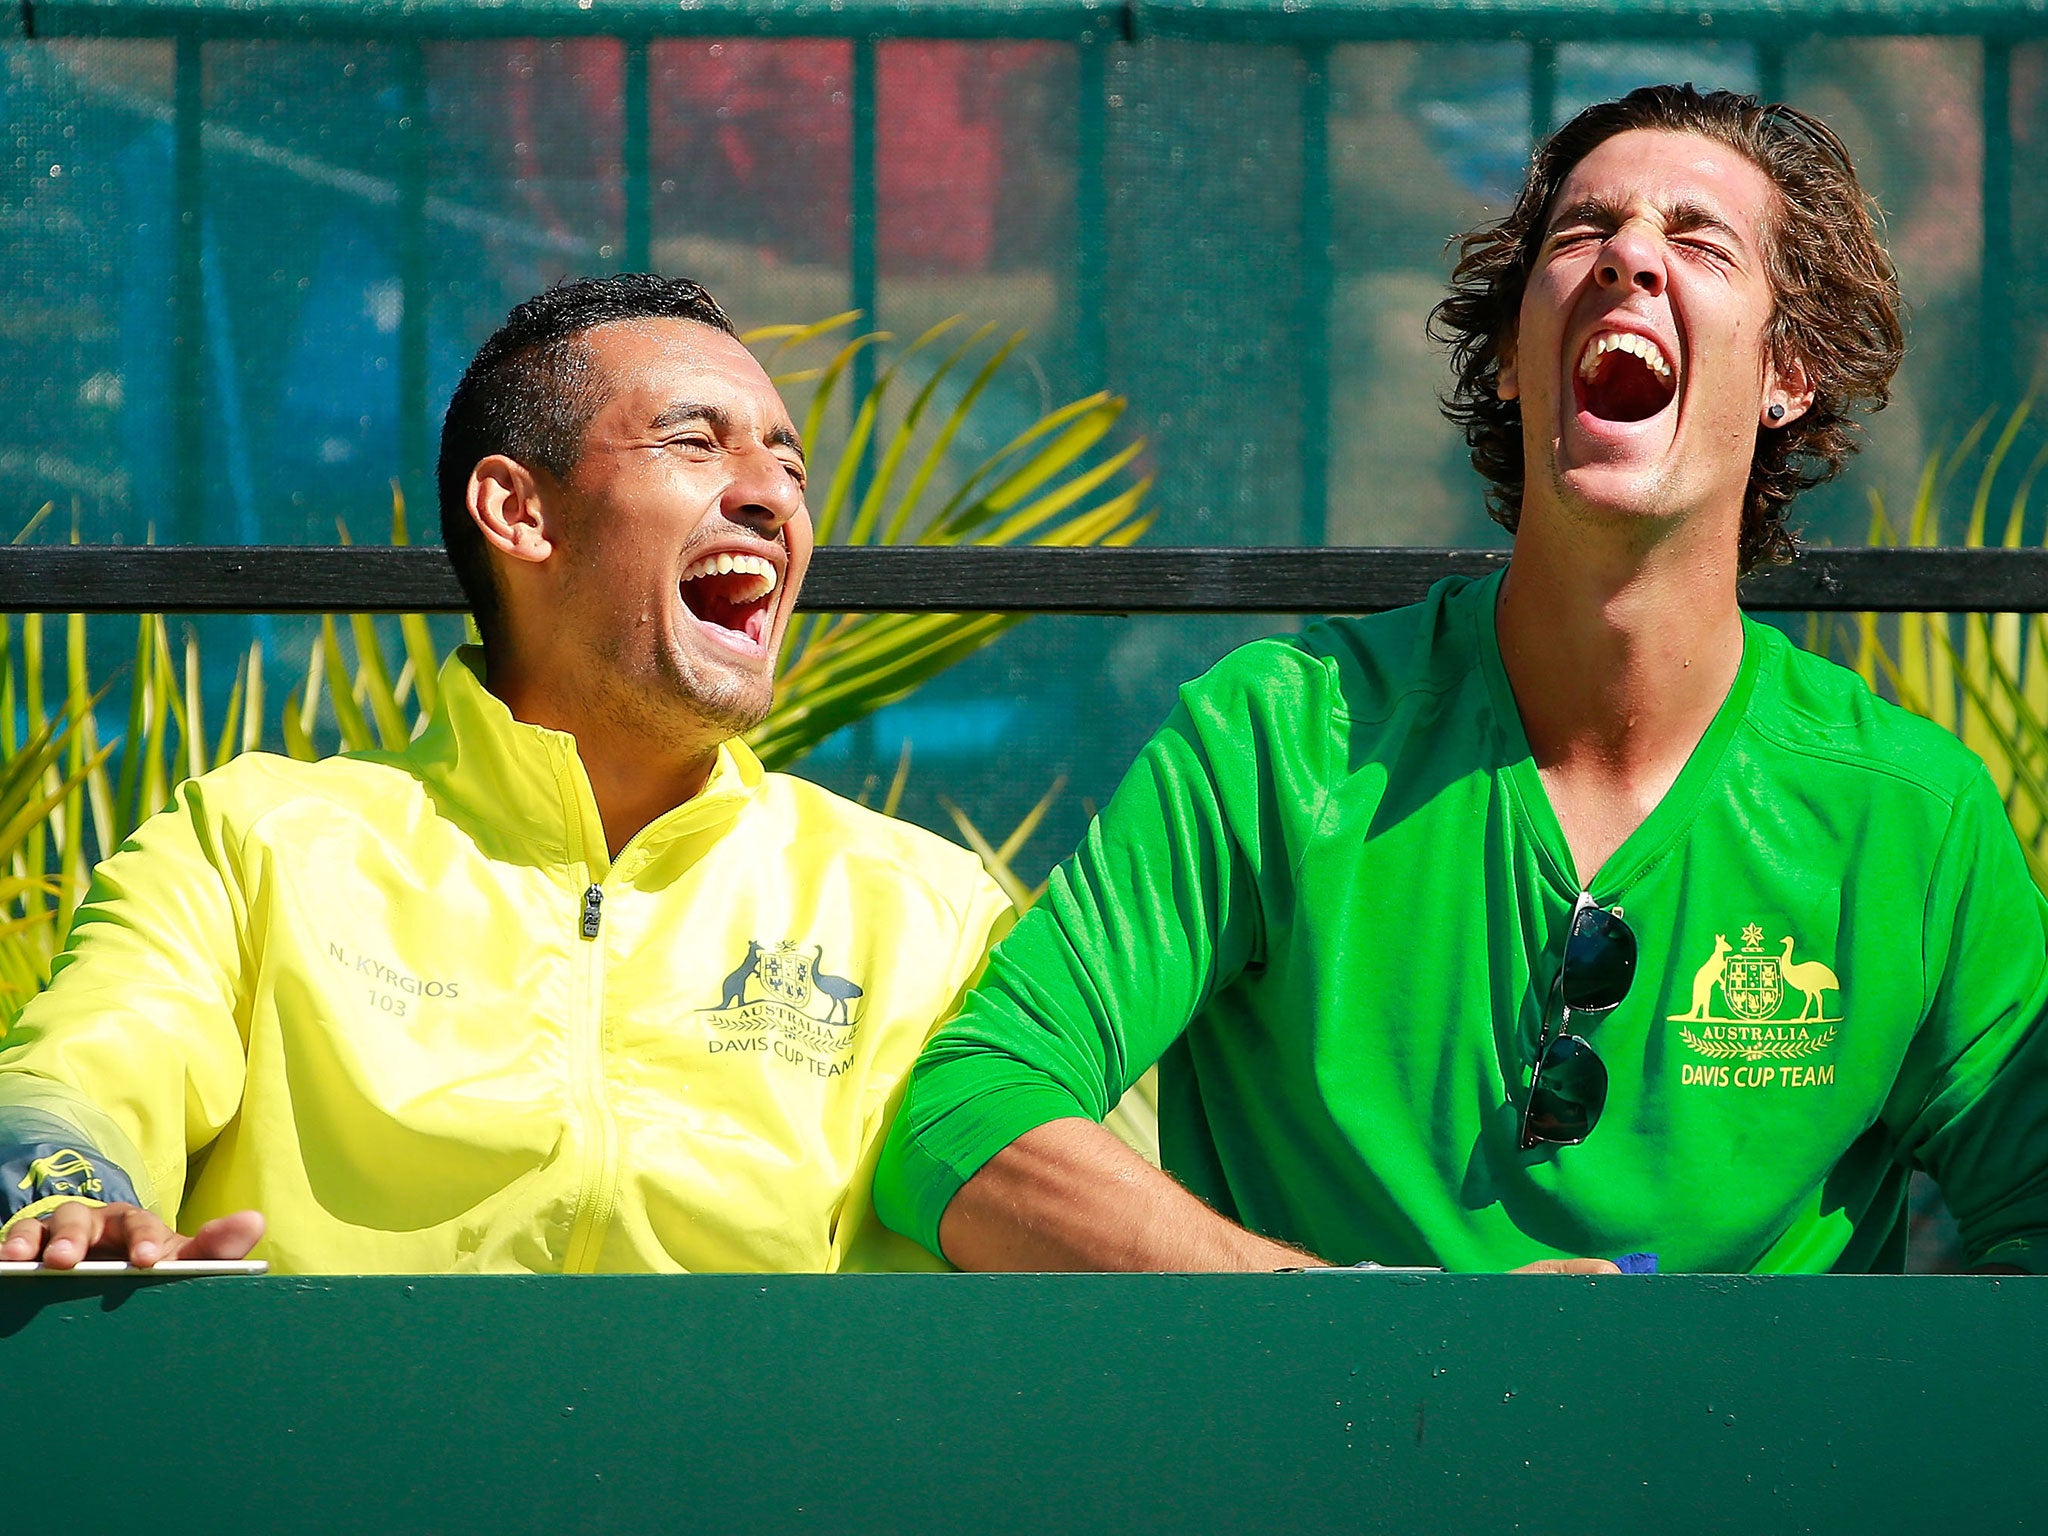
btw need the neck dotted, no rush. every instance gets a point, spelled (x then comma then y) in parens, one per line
(1619, 658)
(636, 773)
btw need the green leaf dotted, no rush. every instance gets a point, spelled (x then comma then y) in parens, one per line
(232, 716)
(1021, 833)
(300, 709)
(426, 663)
(252, 714)
(789, 337)
(1021, 896)
(348, 715)
(869, 515)
(1983, 676)
(1082, 422)
(893, 801)
(1031, 471)
(934, 456)
(374, 680)
(1056, 501)
(128, 795)
(297, 742)
(825, 518)
(193, 722)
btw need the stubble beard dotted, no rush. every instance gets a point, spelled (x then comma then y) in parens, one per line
(656, 689)
(1648, 515)
(681, 703)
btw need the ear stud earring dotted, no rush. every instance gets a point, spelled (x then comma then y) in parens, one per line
(1776, 413)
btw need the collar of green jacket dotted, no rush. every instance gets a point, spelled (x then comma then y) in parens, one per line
(521, 788)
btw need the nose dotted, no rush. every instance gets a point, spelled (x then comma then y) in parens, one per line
(1632, 258)
(762, 493)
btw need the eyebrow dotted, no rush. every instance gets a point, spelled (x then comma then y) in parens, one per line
(720, 421)
(1682, 217)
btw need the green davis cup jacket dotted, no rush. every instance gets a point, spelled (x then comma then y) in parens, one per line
(404, 1004)
(1330, 899)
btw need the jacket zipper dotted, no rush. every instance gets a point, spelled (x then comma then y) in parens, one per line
(600, 1194)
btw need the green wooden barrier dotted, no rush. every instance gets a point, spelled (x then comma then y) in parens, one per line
(995, 1404)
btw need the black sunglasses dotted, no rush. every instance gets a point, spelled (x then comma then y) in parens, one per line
(1570, 1086)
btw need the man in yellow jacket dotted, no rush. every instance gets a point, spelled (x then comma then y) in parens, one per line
(568, 984)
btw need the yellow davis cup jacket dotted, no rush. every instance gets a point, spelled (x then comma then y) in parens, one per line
(405, 1005)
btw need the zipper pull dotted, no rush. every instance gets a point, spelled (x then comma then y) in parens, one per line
(593, 911)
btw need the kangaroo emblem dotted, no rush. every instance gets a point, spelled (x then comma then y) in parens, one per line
(1811, 978)
(1705, 979)
(837, 988)
(736, 983)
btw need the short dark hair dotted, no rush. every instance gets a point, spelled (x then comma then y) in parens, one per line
(530, 393)
(1836, 296)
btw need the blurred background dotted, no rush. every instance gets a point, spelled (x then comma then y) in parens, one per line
(247, 332)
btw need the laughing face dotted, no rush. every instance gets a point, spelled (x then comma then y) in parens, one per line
(684, 530)
(1640, 356)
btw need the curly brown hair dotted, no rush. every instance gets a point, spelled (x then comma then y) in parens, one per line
(1836, 311)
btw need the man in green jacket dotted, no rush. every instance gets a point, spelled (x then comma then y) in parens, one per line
(1567, 914)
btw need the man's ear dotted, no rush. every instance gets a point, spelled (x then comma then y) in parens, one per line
(1786, 391)
(1507, 381)
(504, 500)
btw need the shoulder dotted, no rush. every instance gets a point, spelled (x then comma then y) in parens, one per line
(823, 828)
(267, 778)
(1360, 669)
(241, 795)
(1827, 717)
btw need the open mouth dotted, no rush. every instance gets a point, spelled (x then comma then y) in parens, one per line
(1623, 377)
(732, 596)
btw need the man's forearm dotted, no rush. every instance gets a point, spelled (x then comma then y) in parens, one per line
(1070, 1196)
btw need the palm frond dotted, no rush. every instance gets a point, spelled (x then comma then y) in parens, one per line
(1982, 676)
(1058, 480)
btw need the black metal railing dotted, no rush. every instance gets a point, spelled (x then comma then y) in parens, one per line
(358, 579)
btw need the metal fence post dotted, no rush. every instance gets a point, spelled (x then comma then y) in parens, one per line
(637, 252)
(1542, 90)
(1995, 287)
(1091, 214)
(1313, 318)
(1770, 71)
(188, 351)
(412, 274)
(861, 237)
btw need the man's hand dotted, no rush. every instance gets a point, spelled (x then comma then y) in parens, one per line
(78, 1231)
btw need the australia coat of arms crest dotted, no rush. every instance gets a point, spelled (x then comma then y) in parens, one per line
(780, 999)
(1745, 1000)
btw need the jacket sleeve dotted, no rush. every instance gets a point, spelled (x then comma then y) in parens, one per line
(861, 1243)
(46, 1161)
(1971, 1105)
(1156, 911)
(133, 1058)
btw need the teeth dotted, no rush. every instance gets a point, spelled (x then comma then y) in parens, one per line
(1622, 341)
(726, 563)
